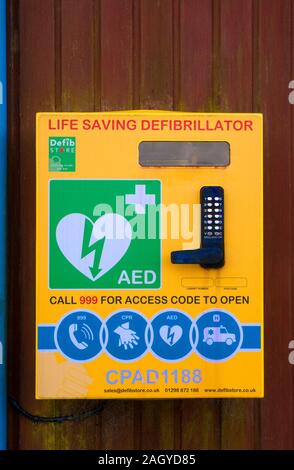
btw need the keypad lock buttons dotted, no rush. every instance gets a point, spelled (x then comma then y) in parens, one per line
(211, 252)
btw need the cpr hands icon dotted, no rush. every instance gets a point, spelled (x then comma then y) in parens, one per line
(127, 337)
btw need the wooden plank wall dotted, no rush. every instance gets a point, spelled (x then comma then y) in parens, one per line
(192, 55)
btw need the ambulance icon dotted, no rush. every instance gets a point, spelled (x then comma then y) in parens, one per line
(218, 334)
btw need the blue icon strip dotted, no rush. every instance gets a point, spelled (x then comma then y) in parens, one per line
(251, 338)
(46, 338)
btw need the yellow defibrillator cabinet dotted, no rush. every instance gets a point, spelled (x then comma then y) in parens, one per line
(149, 271)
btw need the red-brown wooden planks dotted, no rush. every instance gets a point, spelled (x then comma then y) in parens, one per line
(189, 55)
(118, 425)
(116, 67)
(158, 424)
(194, 32)
(200, 424)
(36, 93)
(234, 50)
(75, 23)
(272, 77)
(156, 54)
(233, 76)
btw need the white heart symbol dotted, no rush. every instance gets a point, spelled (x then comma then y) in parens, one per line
(113, 228)
(171, 334)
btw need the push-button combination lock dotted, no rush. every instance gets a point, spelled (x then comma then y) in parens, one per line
(211, 252)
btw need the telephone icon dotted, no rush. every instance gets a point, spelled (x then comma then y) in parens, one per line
(80, 336)
(211, 252)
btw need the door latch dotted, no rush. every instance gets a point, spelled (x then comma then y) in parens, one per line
(211, 253)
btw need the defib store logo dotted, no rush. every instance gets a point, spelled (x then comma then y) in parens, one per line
(93, 246)
(62, 154)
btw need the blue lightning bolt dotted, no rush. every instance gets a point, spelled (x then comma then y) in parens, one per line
(170, 336)
(87, 248)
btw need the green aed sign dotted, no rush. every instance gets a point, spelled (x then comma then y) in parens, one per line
(105, 234)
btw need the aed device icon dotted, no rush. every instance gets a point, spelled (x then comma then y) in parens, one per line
(173, 335)
(105, 234)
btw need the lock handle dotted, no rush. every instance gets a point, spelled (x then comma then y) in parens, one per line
(211, 251)
(207, 256)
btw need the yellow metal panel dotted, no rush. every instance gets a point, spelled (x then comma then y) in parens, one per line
(74, 271)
